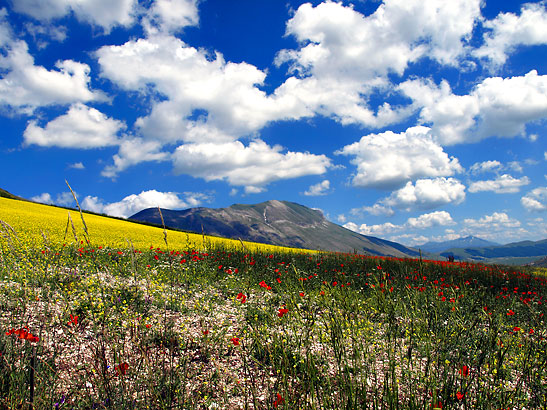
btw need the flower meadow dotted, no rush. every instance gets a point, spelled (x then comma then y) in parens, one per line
(160, 323)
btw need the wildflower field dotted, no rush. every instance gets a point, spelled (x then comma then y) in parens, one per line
(135, 317)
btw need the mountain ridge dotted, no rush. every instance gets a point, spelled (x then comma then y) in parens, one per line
(521, 249)
(469, 241)
(275, 222)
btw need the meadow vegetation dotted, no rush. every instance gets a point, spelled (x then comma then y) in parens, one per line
(115, 319)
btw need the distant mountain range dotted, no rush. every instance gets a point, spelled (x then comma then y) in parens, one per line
(275, 222)
(523, 249)
(467, 242)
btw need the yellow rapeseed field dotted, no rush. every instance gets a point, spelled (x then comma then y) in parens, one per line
(35, 223)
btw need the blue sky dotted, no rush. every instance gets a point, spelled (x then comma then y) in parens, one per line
(410, 120)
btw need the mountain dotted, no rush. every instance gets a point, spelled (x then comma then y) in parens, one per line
(275, 222)
(523, 249)
(467, 242)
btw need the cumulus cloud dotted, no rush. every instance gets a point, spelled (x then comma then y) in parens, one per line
(132, 204)
(77, 165)
(503, 184)
(207, 105)
(425, 221)
(495, 222)
(388, 160)
(485, 166)
(507, 31)
(103, 13)
(426, 194)
(496, 107)
(535, 200)
(81, 127)
(188, 80)
(380, 229)
(43, 198)
(376, 209)
(318, 189)
(252, 166)
(27, 86)
(344, 56)
(438, 218)
(172, 15)
(62, 199)
(132, 151)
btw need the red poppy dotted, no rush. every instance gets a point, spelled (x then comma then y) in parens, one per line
(459, 395)
(510, 313)
(264, 285)
(235, 341)
(464, 371)
(282, 311)
(73, 320)
(121, 368)
(278, 401)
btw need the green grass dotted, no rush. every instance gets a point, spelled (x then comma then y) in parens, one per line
(166, 329)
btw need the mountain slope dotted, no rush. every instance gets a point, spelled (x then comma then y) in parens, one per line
(6, 194)
(275, 222)
(467, 242)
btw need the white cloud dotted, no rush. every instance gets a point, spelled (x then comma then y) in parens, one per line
(496, 107)
(438, 218)
(426, 194)
(345, 55)
(374, 230)
(486, 166)
(62, 199)
(104, 13)
(318, 189)
(503, 184)
(388, 160)
(6, 33)
(535, 200)
(65, 199)
(509, 31)
(81, 127)
(252, 166)
(229, 104)
(27, 86)
(77, 165)
(377, 210)
(425, 221)
(515, 166)
(495, 222)
(133, 151)
(190, 80)
(172, 15)
(132, 204)
(44, 198)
